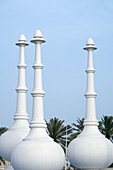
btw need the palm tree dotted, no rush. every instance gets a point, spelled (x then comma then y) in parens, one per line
(77, 128)
(2, 160)
(106, 126)
(57, 130)
(2, 130)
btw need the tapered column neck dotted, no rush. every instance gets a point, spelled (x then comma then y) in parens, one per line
(21, 114)
(90, 92)
(38, 93)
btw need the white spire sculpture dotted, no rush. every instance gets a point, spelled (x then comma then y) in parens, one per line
(90, 149)
(20, 128)
(38, 151)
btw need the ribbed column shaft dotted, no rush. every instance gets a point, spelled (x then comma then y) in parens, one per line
(22, 66)
(90, 70)
(22, 56)
(37, 53)
(37, 68)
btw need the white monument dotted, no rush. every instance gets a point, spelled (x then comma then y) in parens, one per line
(20, 128)
(38, 151)
(90, 149)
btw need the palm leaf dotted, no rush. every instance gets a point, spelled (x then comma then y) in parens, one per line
(57, 130)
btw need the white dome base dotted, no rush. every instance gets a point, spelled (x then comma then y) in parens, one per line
(10, 139)
(38, 155)
(90, 152)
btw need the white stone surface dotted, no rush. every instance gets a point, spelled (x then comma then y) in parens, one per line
(38, 151)
(9, 168)
(90, 149)
(20, 128)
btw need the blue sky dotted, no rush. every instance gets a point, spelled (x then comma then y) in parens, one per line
(66, 25)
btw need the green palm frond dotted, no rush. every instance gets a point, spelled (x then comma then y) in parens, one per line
(106, 126)
(2, 160)
(77, 128)
(57, 130)
(2, 130)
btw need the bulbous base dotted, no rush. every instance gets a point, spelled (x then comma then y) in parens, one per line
(86, 152)
(10, 139)
(38, 155)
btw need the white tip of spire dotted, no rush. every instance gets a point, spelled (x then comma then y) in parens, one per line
(38, 34)
(90, 42)
(22, 38)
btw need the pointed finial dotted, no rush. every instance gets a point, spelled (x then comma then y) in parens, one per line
(37, 37)
(90, 42)
(22, 38)
(38, 34)
(90, 45)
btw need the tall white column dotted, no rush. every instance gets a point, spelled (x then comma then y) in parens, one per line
(20, 128)
(38, 151)
(21, 116)
(90, 149)
(38, 123)
(90, 92)
(38, 93)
